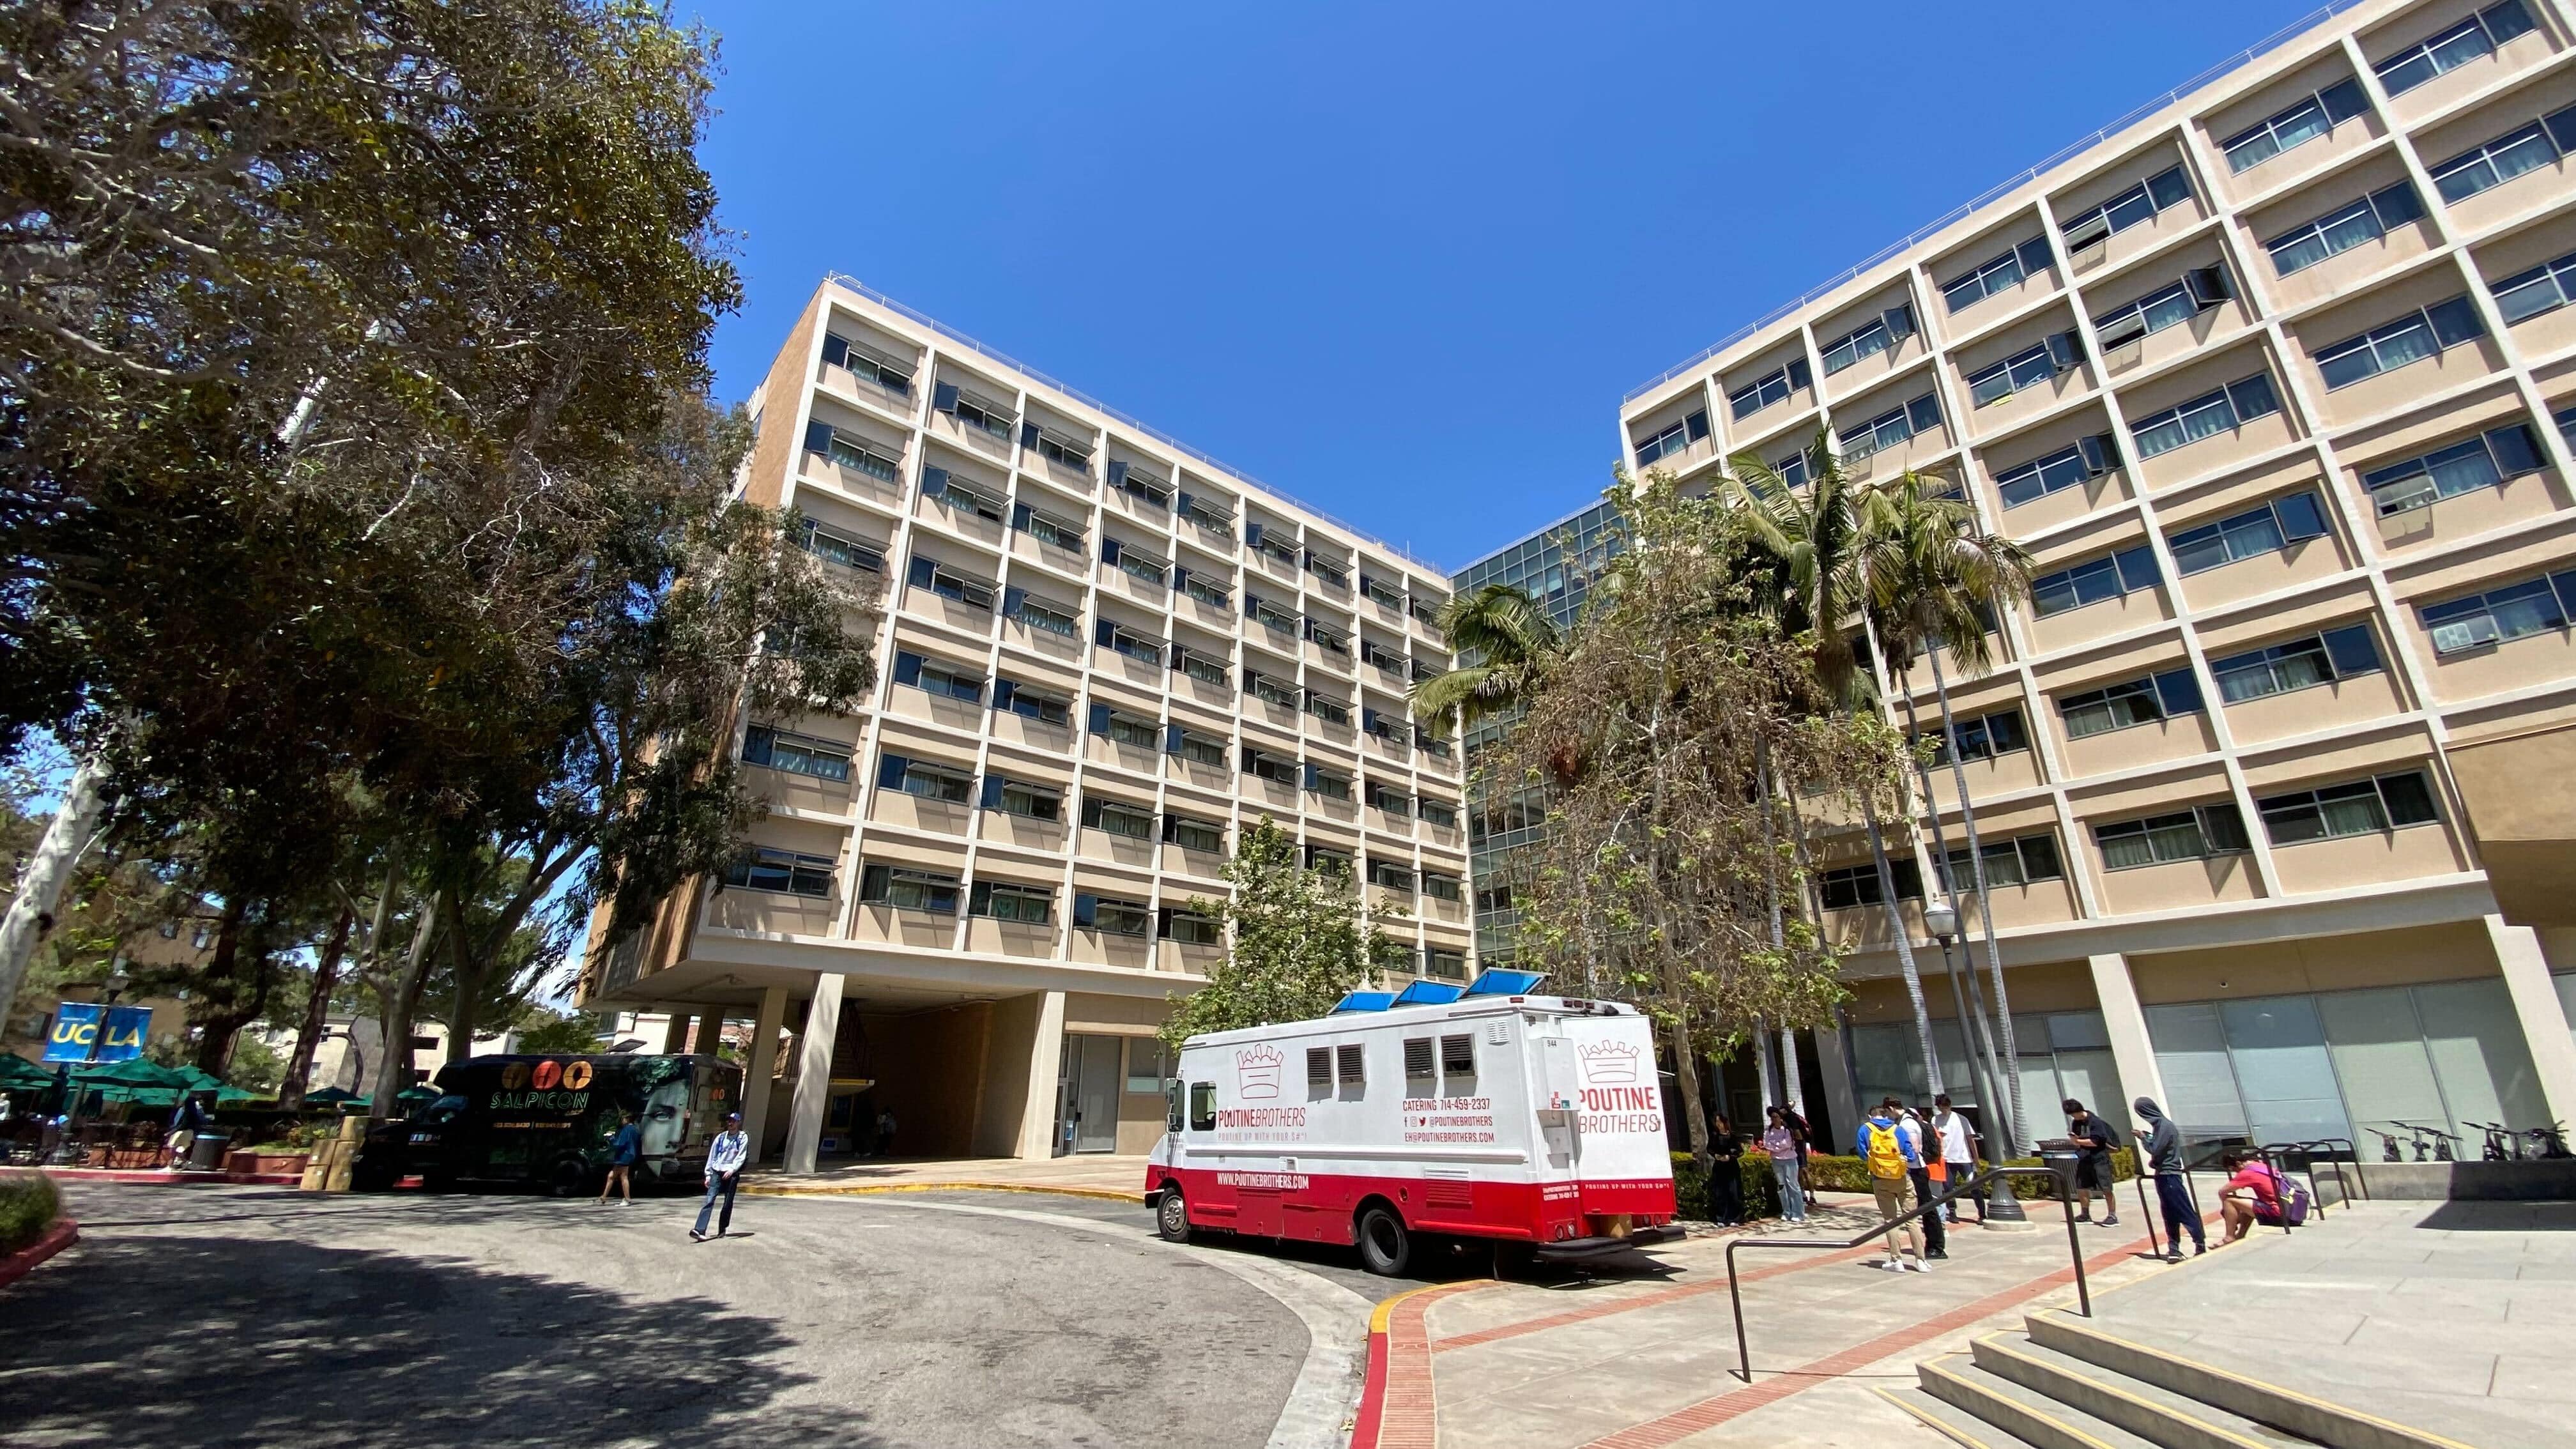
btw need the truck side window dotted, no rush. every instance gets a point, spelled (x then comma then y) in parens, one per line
(1319, 1073)
(1354, 1076)
(1419, 1078)
(1458, 1066)
(1203, 1106)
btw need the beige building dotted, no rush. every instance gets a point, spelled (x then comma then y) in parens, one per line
(2275, 379)
(1102, 654)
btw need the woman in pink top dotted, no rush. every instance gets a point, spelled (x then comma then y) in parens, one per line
(1781, 1144)
(2252, 1195)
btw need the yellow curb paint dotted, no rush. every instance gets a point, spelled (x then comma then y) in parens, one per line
(1946, 1430)
(1104, 1194)
(1384, 1313)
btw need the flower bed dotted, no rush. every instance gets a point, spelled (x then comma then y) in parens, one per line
(29, 1203)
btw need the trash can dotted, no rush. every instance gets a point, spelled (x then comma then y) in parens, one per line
(206, 1153)
(2062, 1160)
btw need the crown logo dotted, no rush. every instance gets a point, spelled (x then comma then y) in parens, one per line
(1256, 1072)
(1608, 1063)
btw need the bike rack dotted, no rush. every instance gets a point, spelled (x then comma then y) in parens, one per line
(2065, 1200)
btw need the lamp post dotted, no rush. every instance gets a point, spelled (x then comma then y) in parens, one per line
(2002, 1208)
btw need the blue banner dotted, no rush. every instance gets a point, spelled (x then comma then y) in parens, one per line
(76, 1035)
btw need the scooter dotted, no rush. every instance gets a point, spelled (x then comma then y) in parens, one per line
(2502, 1143)
(2388, 1149)
(2549, 1142)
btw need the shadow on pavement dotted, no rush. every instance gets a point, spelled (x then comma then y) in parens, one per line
(191, 1342)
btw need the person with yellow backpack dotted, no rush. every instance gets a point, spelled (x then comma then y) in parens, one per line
(1893, 1153)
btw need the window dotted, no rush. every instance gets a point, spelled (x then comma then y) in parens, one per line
(1214, 517)
(1112, 917)
(1122, 728)
(1877, 335)
(1890, 428)
(1983, 737)
(2478, 35)
(1021, 798)
(1387, 798)
(2447, 472)
(1191, 929)
(1113, 817)
(2411, 338)
(948, 584)
(2001, 274)
(1328, 709)
(2296, 664)
(1332, 574)
(796, 754)
(927, 779)
(2199, 290)
(1197, 748)
(1264, 765)
(1133, 564)
(1048, 529)
(1203, 1106)
(1770, 388)
(1324, 860)
(2565, 418)
(2088, 459)
(2133, 702)
(1673, 439)
(1118, 638)
(971, 411)
(2292, 518)
(2228, 408)
(2545, 288)
(863, 361)
(1421, 1067)
(1393, 876)
(1328, 638)
(1064, 452)
(835, 547)
(1205, 668)
(1277, 550)
(2311, 117)
(933, 677)
(1382, 595)
(2500, 614)
(1043, 615)
(1144, 487)
(1034, 704)
(1319, 1069)
(784, 871)
(907, 889)
(1425, 610)
(852, 452)
(2028, 368)
(1791, 470)
(1494, 898)
(2526, 148)
(1269, 690)
(1149, 1066)
(2359, 807)
(996, 900)
(1447, 965)
(2167, 188)
(1331, 786)
(1269, 615)
(1458, 1065)
(1351, 1065)
(2109, 577)
(169, 930)
(2195, 834)
(1198, 587)
(2368, 219)
(1374, 653)
(1858, 885)
(1442, 887)
(965, 498)
(1198, 835)
(1439, 813)
(2008, 863)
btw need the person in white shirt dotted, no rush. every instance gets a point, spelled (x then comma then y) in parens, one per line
(725, 1157)
(1958, 1153)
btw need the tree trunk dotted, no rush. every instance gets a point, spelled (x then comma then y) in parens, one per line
(1904, 948)
(1686, 1086)
(1986, 919)
(317, 1014)
(217, 993)
(1973, 1034)
(400, 1004)
(465, 1010)
(1793, 1085)
(40, 887)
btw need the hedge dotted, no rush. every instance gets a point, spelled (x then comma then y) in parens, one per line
(1828, 1173)
(29, 1204)
(1851, 1174)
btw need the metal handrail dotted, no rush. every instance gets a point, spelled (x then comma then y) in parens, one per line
(2343, 1184)
(2066, 1199)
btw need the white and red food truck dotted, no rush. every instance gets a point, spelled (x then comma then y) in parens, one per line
(1484, 1113)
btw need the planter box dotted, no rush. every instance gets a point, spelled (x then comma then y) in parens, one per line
(264, 1164)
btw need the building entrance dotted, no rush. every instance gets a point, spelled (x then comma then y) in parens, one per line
(1086, 1096)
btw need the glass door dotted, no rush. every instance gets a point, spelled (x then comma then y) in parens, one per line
(1086, 1097)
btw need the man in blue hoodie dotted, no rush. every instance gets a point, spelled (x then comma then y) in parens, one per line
(1893, 1154)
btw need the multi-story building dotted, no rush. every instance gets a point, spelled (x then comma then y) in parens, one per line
(2275, 379)
(1101, 654)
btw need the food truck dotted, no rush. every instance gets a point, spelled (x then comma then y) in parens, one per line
(1484, 1112)
(548, 1120)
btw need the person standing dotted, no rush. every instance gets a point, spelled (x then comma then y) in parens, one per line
(1919, 1169)
(1891, 1156)
(1781, 1144)
(2092, 1139)
(623, 1150)
(725, 1157)
(1958, 1153)
(1725, 1173)
(2161, 1143)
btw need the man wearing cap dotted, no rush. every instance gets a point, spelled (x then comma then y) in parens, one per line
(725, 1157)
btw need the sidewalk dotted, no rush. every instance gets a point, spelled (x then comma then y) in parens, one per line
(1082, 1175)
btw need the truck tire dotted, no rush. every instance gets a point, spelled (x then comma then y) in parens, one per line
(1386, 1247)
(569, 1177)
(1172, 1216)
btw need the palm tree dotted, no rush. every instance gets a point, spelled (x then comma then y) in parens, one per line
(1806, 547)
(1934, 577)
(1511, 640)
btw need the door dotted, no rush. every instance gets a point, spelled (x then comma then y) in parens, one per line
(1087, 1083)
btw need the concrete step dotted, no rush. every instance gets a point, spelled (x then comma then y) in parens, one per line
(2021, 1412)
(2249, 1399)
(2176, 1421)
(1951, 1422)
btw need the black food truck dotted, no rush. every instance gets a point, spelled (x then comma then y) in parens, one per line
(548, 1120)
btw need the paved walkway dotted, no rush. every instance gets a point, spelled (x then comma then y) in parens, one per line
(1088, 1174)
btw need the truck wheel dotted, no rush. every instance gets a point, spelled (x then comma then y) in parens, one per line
(1385, 1247)
(569, 1177)
(1172, 1217)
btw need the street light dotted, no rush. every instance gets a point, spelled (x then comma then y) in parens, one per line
(1941, 919)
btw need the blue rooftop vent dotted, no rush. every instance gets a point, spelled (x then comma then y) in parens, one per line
(1429, 993)
(1363, 1001)
(1496, 982)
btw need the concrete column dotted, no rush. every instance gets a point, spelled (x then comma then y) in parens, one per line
(1046, 1064)
(2535, 1002)
(710, 1031)
(675, 1032)
(814, 1073)
(1840, 1100)
(762, 1067)
(2133, 1052)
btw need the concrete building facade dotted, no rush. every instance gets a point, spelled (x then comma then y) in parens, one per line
(2276, 379)
(1101, 654)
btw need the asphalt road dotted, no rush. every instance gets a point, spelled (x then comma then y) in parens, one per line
(198, 1317)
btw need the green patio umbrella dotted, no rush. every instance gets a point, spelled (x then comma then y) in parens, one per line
(329, 1097)
(201, 1080)
(418, 1092)
(132, 1072)
(17, 1074)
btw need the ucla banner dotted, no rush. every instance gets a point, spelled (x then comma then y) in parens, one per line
(78, 1028)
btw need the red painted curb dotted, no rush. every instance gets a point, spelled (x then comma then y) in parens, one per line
(61, 1235)
(1372, 1396)
(156, 1177)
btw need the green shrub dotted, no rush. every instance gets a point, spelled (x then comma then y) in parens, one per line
(29, 1204)
(1690, 1187)
(1851, 1174)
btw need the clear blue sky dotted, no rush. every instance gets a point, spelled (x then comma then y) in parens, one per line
(1399, 261)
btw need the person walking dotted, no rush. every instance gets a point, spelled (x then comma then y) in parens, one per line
(2091, 1137)
(1958, 1154)
(1781, 1144)
(2160, 1141)
(1725, 1173)
(1919, 1170)
(725, 1157)
(623, 1149)
(1891, 1156)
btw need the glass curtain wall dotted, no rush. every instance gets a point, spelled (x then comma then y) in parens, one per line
(2063, 1054)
